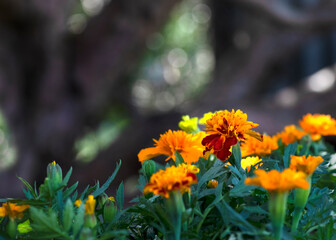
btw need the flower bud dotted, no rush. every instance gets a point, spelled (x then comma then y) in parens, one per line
(54, 173)
(102, 200)
(110, 210)
(90, 220)
(212, 183)
(149, 168)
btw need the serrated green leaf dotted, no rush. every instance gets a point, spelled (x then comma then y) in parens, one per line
(107, 183)
(24, 227)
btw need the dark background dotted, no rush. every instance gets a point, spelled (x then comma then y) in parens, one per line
(86, 83)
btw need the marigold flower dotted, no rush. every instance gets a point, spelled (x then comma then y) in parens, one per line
(90, 204)
(275, 181)
(206, 117)
(12, 210)
(290, 134)
(305, 164)
(171, 179)
(188, 124)
(188, 145)
(224, 129)
(252, 146)
(318, 125)
(78, 202)
(212, 183)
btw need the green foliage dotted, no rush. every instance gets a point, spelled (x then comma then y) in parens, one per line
(232, 210)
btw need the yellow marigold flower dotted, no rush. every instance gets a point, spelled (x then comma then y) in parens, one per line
(252, 146)
(318, 125)
(206, 117)
(275, 181)
(212, 183)
(305, 164)
(90, 205)
(224, 129)
(188, 124)
(12, 210)
(250, 161)
(171, 179)
(188, 145)
(290, 134)
(78, 202)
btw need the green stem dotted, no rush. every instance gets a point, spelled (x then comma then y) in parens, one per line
(175, 207)
(300, 201)
(277, 209)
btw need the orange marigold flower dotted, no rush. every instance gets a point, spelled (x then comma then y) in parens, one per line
(224, 129)
(305, 164)
(290, 134)
(275, 181)
(171, 179)
(318, 125)
(12, 210)
(188, 145)
(252, 146)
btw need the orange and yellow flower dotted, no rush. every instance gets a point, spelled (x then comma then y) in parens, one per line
(12, 210)
(290, 134)
(252, 146)
(171, 179)
(275, 181)
(318, 125)
(305, 164)
(188, 145)
(224, 130)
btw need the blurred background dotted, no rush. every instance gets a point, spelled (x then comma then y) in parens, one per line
(89, 82)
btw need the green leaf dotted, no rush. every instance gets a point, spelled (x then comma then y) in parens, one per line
(289, 150)
(241, 190)
(79, 220)
(67, 177)
(107, 183)
(69, 190)
(28, 186)
(178, 158)
(24, 227)
(237, 155)
(68, 215)
(120, 196)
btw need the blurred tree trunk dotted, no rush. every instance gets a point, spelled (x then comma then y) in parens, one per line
(53, 83)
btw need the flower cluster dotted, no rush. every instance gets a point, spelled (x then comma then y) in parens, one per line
(318, 125)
